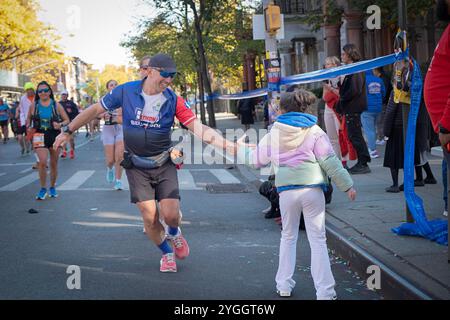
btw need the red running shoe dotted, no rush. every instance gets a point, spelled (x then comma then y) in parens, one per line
(167, 263)
(180, 246)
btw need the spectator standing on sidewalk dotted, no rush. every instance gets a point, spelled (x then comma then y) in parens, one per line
(332, 120)
(353, 101)
(394, 152)
(437, 83)
(369, 118)
(246, 108)
(380, 73)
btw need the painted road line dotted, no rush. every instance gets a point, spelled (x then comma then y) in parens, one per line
(224, 176)
(186, 181)
(77, 180)
(22, 182)
(16, 164)
(26, 170)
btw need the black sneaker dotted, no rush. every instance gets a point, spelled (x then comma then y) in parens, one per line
(359, 169)
(393, 189)
(272, 214)
(431, 180)
(417, 183)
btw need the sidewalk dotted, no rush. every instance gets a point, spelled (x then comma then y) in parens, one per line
(360, 231)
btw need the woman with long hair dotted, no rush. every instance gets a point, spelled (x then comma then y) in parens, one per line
(45, 118)
(112, 137)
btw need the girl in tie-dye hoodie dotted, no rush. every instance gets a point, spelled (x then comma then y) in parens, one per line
(303, 159)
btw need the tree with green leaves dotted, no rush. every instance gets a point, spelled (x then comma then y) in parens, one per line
(22, 35)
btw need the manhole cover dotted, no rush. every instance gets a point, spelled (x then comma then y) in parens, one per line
(227, 188)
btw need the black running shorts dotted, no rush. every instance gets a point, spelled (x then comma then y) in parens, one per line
(153, 184)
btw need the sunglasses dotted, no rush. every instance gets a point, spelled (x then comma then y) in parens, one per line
(162, 73)
(46, 90)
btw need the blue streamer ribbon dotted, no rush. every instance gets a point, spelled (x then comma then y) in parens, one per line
(319, 75)
(435, 230)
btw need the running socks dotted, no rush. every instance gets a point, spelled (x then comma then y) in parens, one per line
(165, 247)
(173, 231)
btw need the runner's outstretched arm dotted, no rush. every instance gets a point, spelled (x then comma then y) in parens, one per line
(211, 136)
(80, 120)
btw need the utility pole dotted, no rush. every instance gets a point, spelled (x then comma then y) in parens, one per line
(403, 25)
(272, 63)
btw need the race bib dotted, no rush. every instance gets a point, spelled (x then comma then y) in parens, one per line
(38, 140)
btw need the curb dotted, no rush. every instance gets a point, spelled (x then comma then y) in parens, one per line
(393, 285)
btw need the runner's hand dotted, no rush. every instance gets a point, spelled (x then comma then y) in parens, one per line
(175, 153)
(60, 141)
(351, 194)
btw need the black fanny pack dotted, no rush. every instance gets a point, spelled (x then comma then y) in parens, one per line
(134, 161)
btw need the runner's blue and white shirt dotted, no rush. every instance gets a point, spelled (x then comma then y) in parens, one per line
(147, 120)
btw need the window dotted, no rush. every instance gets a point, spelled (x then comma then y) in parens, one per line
(292, 6)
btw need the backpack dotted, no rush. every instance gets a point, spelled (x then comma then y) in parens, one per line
(36, 121)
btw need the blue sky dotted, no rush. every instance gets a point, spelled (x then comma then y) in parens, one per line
(93, 29)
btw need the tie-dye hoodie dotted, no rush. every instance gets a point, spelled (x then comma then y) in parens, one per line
(300, 153)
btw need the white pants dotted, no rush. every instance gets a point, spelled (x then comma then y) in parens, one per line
(332, 126)
(312, 202)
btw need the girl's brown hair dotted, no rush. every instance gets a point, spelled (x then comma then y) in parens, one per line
(299, 100)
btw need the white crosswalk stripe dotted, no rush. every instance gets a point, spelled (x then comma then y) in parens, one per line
(22, 182)
(186, 180)
(224, 176)
(77, 180)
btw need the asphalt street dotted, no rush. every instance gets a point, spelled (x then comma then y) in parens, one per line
(234, 250)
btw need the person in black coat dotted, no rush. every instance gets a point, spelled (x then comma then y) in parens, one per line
(246, 108)
(394, 153)
(379, 72)
(353, 101)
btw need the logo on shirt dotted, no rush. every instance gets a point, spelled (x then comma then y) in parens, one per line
(374, 88)
(149, 120)
(152, 115)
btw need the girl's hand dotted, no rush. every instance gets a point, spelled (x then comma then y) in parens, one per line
(351, 194)
(241, 143)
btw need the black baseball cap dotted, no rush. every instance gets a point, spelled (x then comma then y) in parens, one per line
(164, 62)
